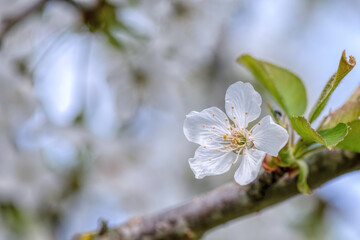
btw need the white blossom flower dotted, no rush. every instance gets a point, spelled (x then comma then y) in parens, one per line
(224, 138)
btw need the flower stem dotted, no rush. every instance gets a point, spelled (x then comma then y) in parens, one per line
(302, 154)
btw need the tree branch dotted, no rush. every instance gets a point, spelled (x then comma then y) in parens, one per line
(192, 219)
(9, 23)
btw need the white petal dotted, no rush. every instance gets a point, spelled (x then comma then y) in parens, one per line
(249, 166)
(202, 165)
(243, 103)
(206, 127)
(269, 136)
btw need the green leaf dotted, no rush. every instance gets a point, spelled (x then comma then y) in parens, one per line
(352, 140)
(333, 136)
(328, 137)
(347, 113)
(286, 87)
(304, 129)
(302, 184)
(344, 68)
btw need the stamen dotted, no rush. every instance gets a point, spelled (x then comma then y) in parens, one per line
(213, 114)
(237, 157)
(203, 125)
(220, 121)
(223, 149)
(232, 111)
(216, 132)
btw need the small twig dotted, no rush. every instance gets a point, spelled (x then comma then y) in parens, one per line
(303, 154)
(103, 227)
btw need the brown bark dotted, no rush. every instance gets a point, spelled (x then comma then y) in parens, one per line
(192, 219)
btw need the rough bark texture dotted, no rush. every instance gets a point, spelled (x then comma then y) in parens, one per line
(192, 219)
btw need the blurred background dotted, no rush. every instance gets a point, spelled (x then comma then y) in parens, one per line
(93, 95)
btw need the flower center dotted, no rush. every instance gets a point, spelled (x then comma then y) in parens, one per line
(240, 140)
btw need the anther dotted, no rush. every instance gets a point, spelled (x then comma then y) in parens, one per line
(246, 113)
(204, 146)
(213, 127)
(258, 123)
(226, 119)
(211, 138)
(203, 125)
(213, 114)
(210, 159)
(232, 107)
(234, 117)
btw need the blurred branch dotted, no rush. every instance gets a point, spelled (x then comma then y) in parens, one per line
(192, 219)
(8, 23)
(101, 16)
